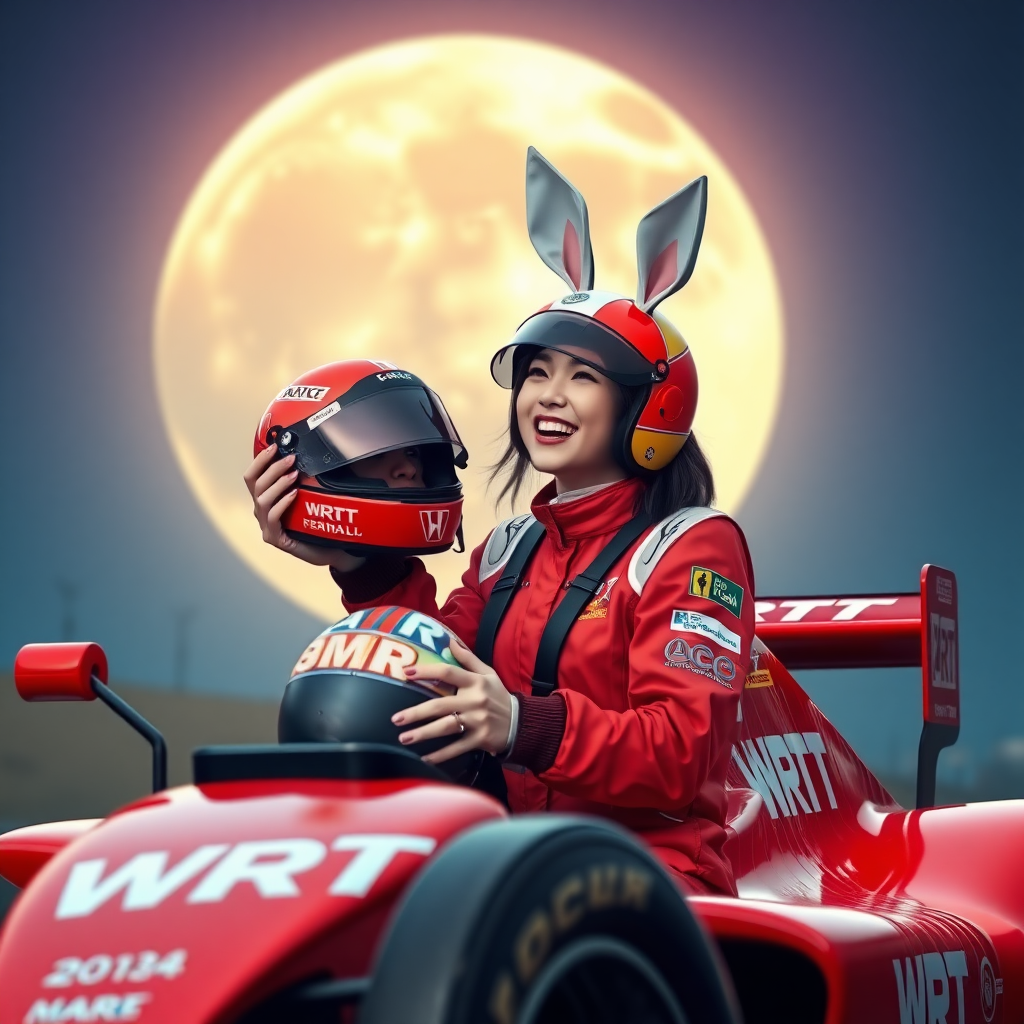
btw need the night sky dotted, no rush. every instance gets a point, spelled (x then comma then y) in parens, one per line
(881, 146)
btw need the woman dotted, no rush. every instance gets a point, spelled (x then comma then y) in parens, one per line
(639, 722)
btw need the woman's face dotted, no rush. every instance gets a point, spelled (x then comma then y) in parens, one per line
(567, 414)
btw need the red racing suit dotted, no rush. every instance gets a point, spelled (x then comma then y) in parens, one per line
(650, 675)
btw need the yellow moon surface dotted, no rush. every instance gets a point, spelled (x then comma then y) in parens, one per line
(376, 209)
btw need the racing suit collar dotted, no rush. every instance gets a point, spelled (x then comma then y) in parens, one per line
(592, 515)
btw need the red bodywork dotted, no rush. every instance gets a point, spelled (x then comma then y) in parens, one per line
(197, 903)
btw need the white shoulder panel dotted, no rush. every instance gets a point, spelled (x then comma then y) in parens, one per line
(660, 539)
(502, 543)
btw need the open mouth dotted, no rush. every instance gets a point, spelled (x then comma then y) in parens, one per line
(553, 430)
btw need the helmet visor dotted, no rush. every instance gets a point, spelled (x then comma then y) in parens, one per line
(398, 417)
(581, 337)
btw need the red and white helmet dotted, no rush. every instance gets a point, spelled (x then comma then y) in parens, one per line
(340, 413)
(627, 341)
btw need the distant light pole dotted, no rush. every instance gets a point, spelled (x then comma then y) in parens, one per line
(68, 593)
(183, 618)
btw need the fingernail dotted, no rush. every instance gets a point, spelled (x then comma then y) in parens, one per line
(405, 738)
(397, 719)
(410, 670)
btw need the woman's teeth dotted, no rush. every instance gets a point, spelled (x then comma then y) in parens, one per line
(553, 428)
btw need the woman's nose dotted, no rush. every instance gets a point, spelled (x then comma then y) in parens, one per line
(553, 393)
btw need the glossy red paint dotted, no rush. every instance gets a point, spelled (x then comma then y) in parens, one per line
(640, 329)
(292, 877)
(25, 850)
(866, 631)
(909, 917)
(828, 864)
(49, 672)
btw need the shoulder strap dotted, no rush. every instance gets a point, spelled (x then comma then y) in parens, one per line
(581, 590)
(504, 590)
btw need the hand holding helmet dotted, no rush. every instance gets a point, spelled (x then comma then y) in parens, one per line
(478, 716)
(271, 482)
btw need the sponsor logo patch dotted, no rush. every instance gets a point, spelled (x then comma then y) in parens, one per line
(705, 625)
(303, 393)
(570, 300)
(433, 522)
(333, 520)
(394, 375)
(779, 768)
(712, 586)
(757, 678)
(269, 867)
(930, 985)
(701, 660)
(127, 1006)
(991, 986)
(324, 414)
(598, 607)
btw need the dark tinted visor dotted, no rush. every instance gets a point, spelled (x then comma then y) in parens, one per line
(398, 417)
(582, 338)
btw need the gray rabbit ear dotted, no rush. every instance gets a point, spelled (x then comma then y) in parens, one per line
(556, 217)
(667, 240)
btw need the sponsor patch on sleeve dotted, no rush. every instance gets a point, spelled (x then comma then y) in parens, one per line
(712, 586)
(708, 627)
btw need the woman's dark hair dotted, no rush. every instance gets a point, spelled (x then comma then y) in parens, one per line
(686, 481)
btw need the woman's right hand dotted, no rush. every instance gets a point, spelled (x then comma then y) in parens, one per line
(271, 483)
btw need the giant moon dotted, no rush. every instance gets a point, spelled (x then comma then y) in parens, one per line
(376, 209)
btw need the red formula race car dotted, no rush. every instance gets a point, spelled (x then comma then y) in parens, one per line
(350, 882)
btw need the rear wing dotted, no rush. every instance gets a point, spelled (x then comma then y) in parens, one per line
(881, 631)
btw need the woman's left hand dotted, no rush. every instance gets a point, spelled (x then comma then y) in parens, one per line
(479, 716)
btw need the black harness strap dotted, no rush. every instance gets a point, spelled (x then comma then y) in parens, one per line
(582, 589)
(504, 590)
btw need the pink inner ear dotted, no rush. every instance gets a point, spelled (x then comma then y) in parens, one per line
(664, 270)
(571, 254)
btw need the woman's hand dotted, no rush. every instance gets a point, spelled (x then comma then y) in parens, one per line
(271, 483)
(482, 706)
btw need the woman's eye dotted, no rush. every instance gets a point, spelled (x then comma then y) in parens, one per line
(537, 371)
(583, 375)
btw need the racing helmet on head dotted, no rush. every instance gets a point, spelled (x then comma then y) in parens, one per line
(349, 682)
(626, 341)
(340, 413)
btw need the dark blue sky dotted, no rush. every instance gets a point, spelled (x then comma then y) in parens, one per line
(881, 145)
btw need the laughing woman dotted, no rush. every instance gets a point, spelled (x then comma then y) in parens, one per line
(608, 632)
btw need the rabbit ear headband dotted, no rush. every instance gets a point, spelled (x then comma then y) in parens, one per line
(667, 238)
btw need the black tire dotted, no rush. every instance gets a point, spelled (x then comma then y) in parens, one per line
(546, 920)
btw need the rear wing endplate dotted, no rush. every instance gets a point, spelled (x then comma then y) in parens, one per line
(881, 631)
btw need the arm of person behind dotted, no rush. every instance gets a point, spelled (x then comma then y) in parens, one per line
(682, 701)
(393, 580)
